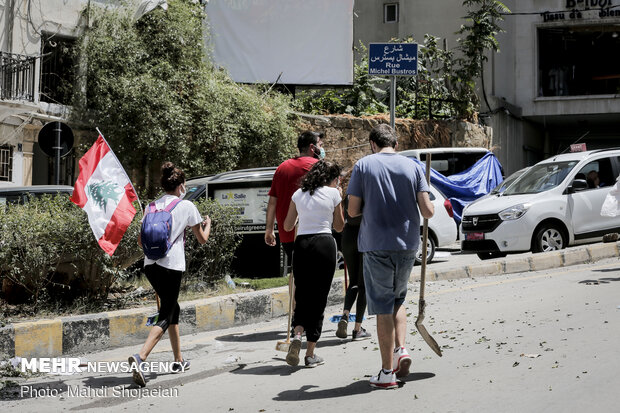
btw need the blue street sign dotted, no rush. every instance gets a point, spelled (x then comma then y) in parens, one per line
(393, 59)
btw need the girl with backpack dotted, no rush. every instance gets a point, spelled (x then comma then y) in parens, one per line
(164, 261)
(318, 205)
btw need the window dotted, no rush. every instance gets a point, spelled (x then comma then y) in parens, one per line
(6, 163)
(579, 60)
(390, 13)
(57, 71)
(597, 173)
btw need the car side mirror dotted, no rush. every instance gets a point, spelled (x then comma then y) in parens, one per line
(577, 185)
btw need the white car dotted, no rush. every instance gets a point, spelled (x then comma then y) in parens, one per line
(554, 204)
(442, 228)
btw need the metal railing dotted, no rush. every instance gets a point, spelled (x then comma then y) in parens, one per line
(17, 77)
(6, 163)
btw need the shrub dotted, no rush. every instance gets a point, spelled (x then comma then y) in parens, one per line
(47, 250)
(47, 245)
(211, 262)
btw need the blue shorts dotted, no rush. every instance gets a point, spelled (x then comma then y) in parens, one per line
(386, 275)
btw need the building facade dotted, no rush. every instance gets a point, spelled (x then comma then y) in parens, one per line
(37, 74)
(555, 81)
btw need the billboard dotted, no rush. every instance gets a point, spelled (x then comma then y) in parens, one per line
(302, 42)
(250, 205)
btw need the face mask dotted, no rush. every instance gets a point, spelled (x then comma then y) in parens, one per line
(321, 153)
(183, 192)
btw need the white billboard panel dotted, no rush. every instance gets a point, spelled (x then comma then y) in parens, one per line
(309, 42)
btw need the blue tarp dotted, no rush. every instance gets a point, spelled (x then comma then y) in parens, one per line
(469, 185)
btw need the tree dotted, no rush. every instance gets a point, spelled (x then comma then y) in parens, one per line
(483, 19)
(447, 77)
(152, 91)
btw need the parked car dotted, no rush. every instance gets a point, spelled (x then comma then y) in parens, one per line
(552, 205)
(505, 183)
(442, 229)
(448, 161)
(20, 194)
(247, 190)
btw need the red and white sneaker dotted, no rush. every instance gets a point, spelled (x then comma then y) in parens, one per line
(401, 362)
(384, 381)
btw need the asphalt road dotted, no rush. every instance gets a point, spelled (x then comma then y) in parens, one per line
(539, 341)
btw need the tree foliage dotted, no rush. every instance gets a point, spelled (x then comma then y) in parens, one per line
(483, 18)
(445, 85)
(152, 91)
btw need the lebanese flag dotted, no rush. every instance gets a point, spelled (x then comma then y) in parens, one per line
(103, 190)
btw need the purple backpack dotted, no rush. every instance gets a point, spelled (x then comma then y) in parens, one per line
(155, 230)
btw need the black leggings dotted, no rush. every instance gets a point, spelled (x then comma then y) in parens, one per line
(314, 265)
(167, 284)
(353, 261)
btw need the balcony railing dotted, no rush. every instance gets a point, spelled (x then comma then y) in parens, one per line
(17, 77)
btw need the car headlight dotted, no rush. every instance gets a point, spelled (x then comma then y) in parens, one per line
(514, 212)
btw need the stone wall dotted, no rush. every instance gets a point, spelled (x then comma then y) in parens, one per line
(346, 137)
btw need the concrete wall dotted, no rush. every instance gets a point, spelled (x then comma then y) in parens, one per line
(368, 26)
(439, 18)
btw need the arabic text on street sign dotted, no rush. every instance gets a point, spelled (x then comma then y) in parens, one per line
(393, 59)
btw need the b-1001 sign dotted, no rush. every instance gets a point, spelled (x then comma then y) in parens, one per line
(393, 59)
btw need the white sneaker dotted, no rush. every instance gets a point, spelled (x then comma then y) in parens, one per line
(384, 381)
(401, 363)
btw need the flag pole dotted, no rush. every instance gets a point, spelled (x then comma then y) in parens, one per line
(134, 190)
(125, 172)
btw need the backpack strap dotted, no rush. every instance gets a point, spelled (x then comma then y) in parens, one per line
(172, 204)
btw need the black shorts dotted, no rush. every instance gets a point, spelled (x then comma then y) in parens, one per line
(167, 284)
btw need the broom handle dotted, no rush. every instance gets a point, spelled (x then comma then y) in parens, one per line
(425, 234)
(291, 286)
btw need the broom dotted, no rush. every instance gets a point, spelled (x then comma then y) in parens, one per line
(284, 345)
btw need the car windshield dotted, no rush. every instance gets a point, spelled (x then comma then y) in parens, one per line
(507, 182)
(540, 178)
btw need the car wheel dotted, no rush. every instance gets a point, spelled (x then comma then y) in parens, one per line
(430, 251)
(549, 238)
(490, 255)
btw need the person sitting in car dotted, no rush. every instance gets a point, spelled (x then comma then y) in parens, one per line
(593, 179)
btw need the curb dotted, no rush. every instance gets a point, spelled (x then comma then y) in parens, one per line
(80, 334)
(537, 262)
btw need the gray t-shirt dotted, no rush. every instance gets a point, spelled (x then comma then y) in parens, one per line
(388, 184)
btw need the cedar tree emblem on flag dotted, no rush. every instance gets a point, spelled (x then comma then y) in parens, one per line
(103, 190)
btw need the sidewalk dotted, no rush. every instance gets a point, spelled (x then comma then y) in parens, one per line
(78, 334)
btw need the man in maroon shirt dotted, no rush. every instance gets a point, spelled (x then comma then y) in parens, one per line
(285, 182)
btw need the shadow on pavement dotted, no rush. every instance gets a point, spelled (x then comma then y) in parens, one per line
(357, 387)
(599, 281)
(249, 338)
(279, 370)
(607, 270)
(114, 381)
(276, 336)
(417, 376)
(303, 393)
